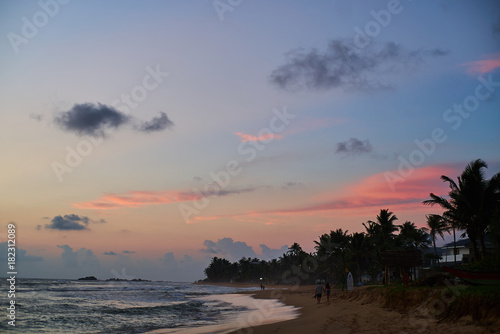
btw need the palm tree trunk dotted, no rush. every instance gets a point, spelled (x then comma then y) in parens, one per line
(454, 247)
(483, 246)
(359, 272)
(473, 242)
(435, 250)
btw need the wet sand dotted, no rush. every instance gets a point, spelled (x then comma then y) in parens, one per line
(360, 314)
(262, 311)
(347, 312)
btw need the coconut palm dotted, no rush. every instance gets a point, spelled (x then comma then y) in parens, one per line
(410, 236)
(383, 228)
(359, 248)
(472, 203)
(437, 226)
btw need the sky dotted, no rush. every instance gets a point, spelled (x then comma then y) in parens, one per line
(141, 138)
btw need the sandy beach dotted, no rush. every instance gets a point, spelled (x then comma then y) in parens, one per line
(354, 312)
(292, 309)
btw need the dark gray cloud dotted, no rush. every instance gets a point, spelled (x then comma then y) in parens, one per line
(71, 222)
(95, 119)
(110, 253)
(226, 192)
(343, 65)
(128, 252)
(159, 123)
(90, 119)
(354, 146)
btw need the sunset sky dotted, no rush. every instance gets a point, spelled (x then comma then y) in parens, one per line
(142, 138)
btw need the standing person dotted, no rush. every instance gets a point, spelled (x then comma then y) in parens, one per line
(319, 291)
(327, 292)
(343, 281)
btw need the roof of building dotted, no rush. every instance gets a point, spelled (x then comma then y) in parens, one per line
(466, 243)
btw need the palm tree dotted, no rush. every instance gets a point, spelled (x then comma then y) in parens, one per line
(472, 203)
(384, 228)
(333, 251)
(407, 234)
(437, 226)
(411, 236)
(359, 250)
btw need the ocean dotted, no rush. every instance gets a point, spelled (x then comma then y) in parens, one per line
(57, 306)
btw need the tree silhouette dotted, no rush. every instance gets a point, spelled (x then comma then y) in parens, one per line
(437, 226)
(472, 203)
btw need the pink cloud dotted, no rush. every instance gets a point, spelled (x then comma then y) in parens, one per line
(300, 127)
(264, 137)
(361, 198)
(374, 191)
(135, 199)
(483, 66)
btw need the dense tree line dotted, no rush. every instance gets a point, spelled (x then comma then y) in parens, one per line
(472, 207)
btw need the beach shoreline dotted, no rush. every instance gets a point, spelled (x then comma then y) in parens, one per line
(351, 312)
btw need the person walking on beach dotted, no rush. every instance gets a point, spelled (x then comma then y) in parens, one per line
(327, 292)
(319, 291)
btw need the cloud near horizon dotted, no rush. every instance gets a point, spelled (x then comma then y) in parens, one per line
(21, 254)
(343, 65)
(94, 119)
(82, 257)
(235, 250)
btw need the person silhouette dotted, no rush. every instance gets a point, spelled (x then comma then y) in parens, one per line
(327, 292)
(319, 291)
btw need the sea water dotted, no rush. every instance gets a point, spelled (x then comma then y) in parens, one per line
(55, 306)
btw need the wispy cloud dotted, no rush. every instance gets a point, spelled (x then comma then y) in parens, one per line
(71, 222)
(265, 137)
(305, 125)
(134, 199)
(95, 119)
(373, 191)
(36, 117)
(342, 65)
(291, 184)
(483, 66)
(370, 193)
